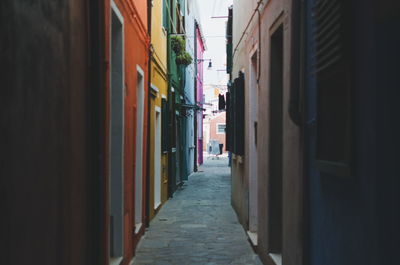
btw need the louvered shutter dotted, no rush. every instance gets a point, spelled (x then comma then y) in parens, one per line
(165, 15)
(333, 75)
(229, 44)
(228, 120)
(240, 127)
(233, 116)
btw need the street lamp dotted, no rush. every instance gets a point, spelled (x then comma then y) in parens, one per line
(202, 60)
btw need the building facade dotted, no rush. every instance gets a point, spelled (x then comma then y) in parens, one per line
(176, 75)
(214, 129)
(127, 127)
(158, 111)
(189, 108)
(307, 182)
(266, 161)
(200, 49)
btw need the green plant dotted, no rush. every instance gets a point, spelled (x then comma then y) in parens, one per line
(178, 44)
(184, 59)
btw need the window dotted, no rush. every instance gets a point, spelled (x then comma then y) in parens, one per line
(221, 128)
(178, 19)
(229, 44)
(333, 75)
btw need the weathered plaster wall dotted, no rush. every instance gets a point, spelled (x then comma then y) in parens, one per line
(272, 13)
(242, 12)
(279, 13)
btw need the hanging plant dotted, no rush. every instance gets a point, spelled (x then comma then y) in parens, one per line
(178, 44)
(184, 59)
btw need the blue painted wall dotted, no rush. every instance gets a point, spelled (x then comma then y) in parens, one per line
(190, 16)
(354, 221)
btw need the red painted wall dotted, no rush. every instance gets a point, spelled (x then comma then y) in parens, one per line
(136, 42)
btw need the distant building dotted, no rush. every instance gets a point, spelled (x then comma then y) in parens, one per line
(214, 129)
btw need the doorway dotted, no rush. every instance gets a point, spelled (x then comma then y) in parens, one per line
(139, 149)
(157, 159)
(206, 136)
(178, 149)
(116, 184)
(252, 138)
(276, 145)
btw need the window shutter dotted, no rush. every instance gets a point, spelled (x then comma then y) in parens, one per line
(228, 120)
(229, 44)
(333, 75)
(240, 114)
(165, 14)
(237, 100)
(233, 116)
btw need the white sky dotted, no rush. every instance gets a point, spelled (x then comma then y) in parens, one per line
(214, 30)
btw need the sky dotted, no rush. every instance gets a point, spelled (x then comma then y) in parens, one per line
(214, 30)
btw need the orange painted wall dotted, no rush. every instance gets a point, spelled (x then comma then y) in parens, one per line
(136, 43)
(141, 7)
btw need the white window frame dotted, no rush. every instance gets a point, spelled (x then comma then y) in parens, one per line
(217, 128)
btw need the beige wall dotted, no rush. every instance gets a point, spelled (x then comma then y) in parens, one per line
(272, 13)
(242, 12)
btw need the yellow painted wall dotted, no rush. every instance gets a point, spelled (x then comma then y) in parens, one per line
(159, 34)
(159, 80)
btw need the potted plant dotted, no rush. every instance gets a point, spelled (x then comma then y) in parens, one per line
(178, 44)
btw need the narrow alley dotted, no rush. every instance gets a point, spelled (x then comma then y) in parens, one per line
(199, 132)
(198, 225)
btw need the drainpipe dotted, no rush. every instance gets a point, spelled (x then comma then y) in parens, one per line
(171, 134)
(147, 211)
(297, 107)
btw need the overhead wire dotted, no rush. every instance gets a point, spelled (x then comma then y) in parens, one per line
(248, 25)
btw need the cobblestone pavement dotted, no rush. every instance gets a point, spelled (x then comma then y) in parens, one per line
(198, 225)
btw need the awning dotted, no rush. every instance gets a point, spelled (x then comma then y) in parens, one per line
(191, 106)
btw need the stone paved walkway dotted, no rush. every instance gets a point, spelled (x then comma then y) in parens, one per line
(198, 225)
